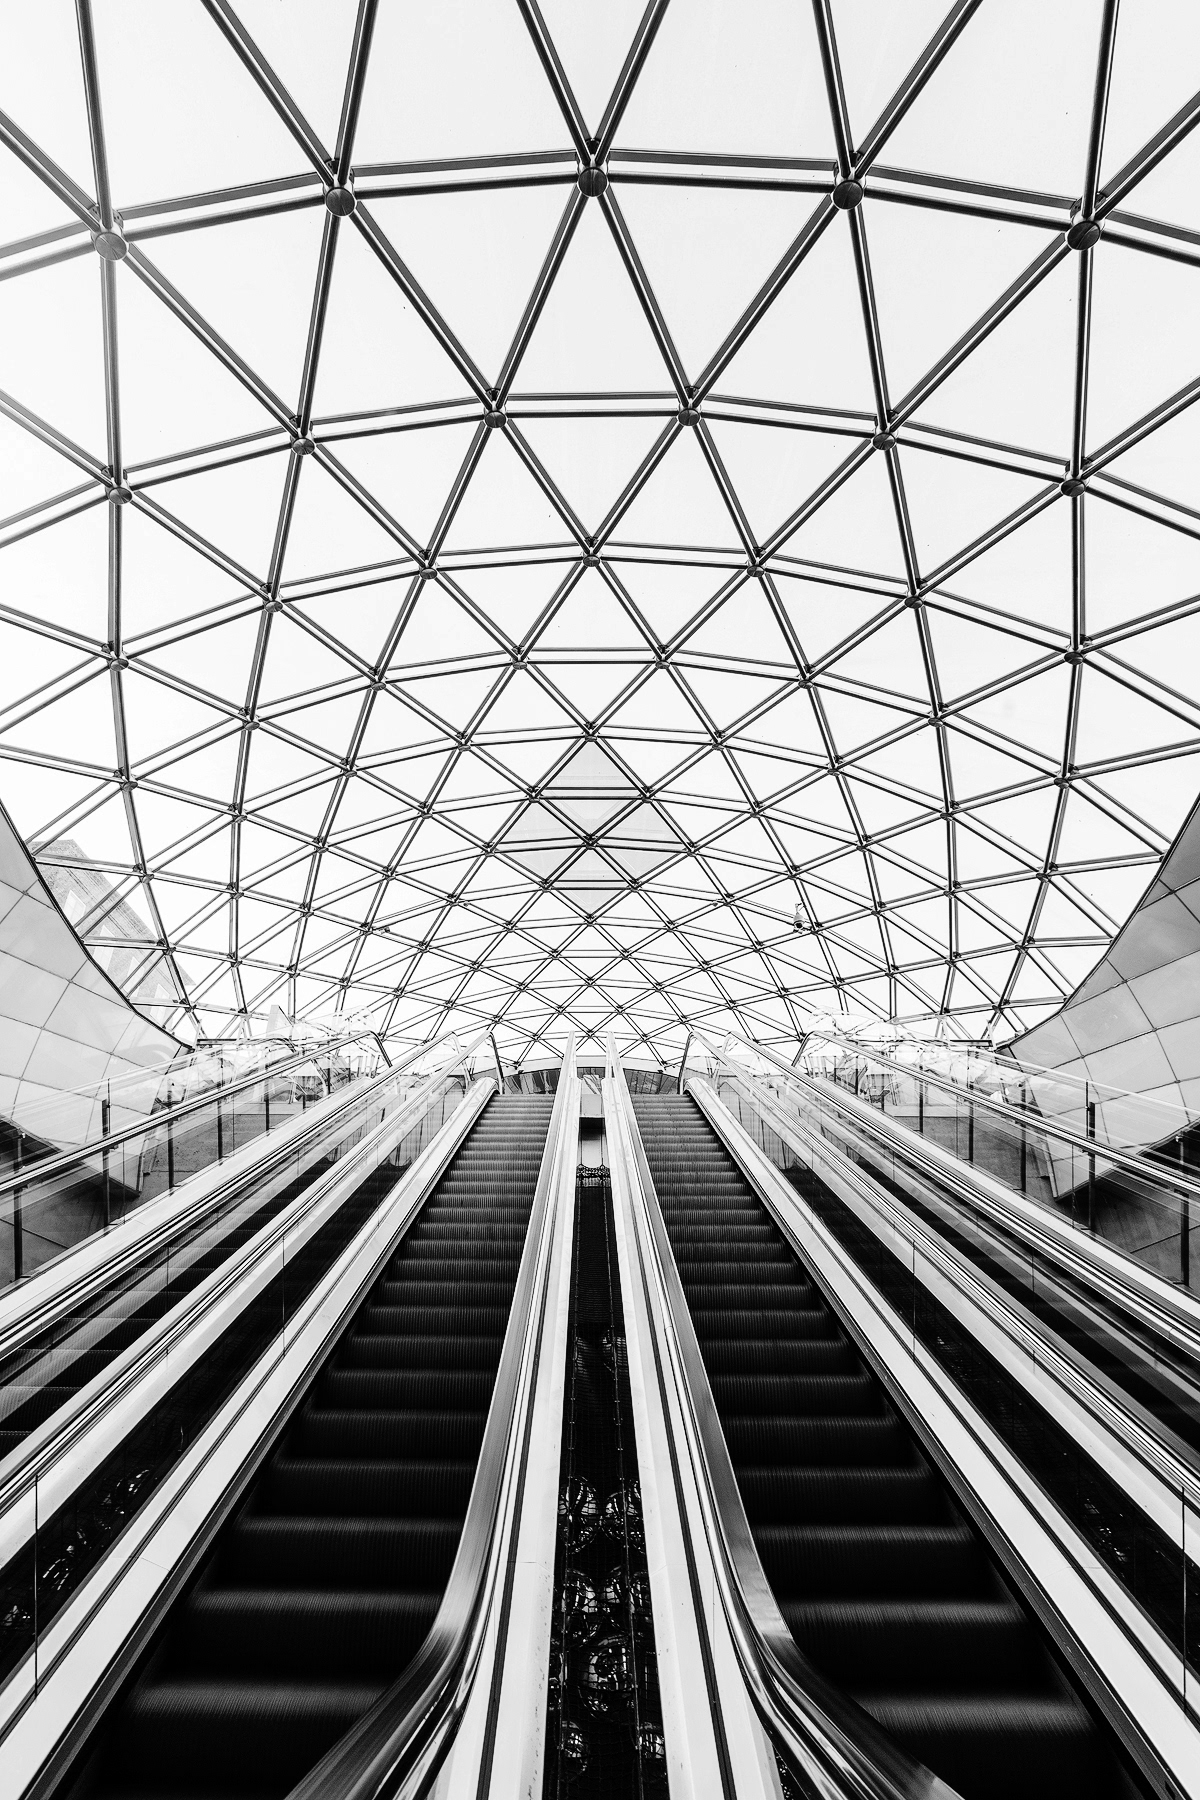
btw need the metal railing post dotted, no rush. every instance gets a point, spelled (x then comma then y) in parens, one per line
(1024, 1137)
(921, 1108)
(1091, 1131)
(266, 1103)
(1185, 1231)
(105, 1126)
(220, 1134)
(170, 1146)
(18, 1221)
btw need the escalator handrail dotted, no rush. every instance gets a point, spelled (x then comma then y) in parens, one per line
(838, 1746)
(1131, 1162)
(395, 1747)
(1155, 1303)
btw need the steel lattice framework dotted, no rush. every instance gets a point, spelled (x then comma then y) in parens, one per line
(569, 517)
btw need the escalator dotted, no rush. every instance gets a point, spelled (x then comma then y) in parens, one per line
(321, 1587)
(886, 1587)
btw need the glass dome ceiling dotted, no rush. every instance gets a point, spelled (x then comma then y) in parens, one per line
(582, 516)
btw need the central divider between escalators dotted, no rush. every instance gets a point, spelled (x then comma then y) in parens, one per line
(605, 1724)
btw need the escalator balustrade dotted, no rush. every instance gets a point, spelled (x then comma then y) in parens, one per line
(885, 1586)
(322, 1586)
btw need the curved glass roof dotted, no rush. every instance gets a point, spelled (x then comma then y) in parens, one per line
(600, 517)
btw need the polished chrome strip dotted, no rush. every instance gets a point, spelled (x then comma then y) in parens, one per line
(398, 1747)
(90, 1647)
(1078, 1601)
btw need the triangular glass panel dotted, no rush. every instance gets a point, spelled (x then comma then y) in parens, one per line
(855, 528)
(952, 502)
(1018, 385)
(454, 104)
(59, 305)
(330, 531)
(889, 659)
(477, 256)
(591, 617)
(1113, 721)
(959, 265)
(524, 705)
(175, 394)
(774, 471)
(405, 365)
(1132, 369)
(219, 660)
(361, 618)
(658, 703)
(824, 614)
(727, 697)
(1032, 714)
(590, 688)
(961, 123)
(439, 629)
(667, 595)
(1028, 574)
(592, 336)
(30, 472)
(219, 270)
(1168, 461)
(1135, 566)
(410, 473)
(680, 504)
(810, 348)
(969, 654)
(297, 663)
(707, 251)
(235, 508)
(513, 597)
(504, 505)
(591, 460)
(454, 699)
(746, 81)
(745, 627)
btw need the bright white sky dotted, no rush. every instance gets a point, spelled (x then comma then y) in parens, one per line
(575, 718)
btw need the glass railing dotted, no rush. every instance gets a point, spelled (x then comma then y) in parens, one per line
(202, 1112)
(74, 1118)
(993, 1123)
(1112, 1116)
(62, 1503)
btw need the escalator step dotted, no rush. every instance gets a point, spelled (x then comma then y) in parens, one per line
(343, 1552)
